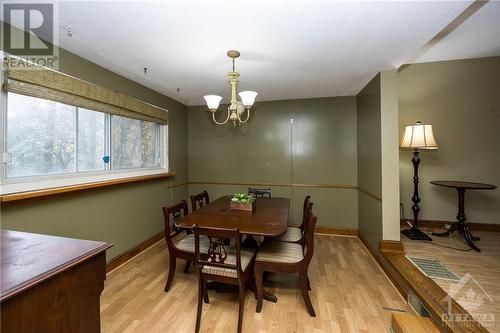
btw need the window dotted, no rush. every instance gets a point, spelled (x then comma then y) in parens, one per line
(41, 142)
(91, 138)
(45, 138)
(134, 143)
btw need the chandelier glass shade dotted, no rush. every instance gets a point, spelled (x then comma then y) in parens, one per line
(248, 98)
(237, 108)
(212, 101)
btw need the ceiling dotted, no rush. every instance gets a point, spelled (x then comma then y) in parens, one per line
(478, 36)
(289, 49)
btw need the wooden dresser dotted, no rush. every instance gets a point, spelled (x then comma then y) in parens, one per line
(50, 284)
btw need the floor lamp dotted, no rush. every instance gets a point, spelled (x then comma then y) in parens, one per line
(417, 137)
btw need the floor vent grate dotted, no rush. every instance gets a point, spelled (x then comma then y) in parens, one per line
(434, 269)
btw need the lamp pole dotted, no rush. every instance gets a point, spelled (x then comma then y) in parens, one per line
(416, 200)
(414, 232)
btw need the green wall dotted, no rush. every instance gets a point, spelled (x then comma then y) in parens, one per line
(369, 161)
(318, 149)
(123, 214)
(462, 100)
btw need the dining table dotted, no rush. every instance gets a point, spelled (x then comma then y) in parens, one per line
(269, 218)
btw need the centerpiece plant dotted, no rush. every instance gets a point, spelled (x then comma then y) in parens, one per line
(242, 198)
(242, 201)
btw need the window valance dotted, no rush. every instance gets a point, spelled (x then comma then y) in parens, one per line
(56, 86)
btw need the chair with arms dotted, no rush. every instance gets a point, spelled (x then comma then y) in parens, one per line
(260, 192)
(222, 263)
(199, 200)
(178, 246)
(296, 234)
(287, 258)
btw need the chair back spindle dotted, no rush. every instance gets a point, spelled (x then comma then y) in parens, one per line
(307, 215)
(199, 200)
(171, 215)
(216, 254)
(260, 192)
(305, 211)
(309, 237)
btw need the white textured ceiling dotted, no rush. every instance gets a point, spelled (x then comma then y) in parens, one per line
(478, 36)
(289, 49)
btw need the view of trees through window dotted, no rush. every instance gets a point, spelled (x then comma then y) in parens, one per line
(133, 143)
(91, 140)
(45, 137)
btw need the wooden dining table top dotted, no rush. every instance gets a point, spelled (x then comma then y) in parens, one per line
(270, 217)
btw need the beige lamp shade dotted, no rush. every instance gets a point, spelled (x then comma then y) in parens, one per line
(418, 136)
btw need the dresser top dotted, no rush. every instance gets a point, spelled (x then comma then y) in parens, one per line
(28, 259)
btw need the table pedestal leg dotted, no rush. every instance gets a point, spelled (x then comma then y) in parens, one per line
(250, 242)
(211, 285)
(218, 287)
(461, 226)
(267, 296)
(270, 297)
(470, 238)
(462, 220)
(454, 227)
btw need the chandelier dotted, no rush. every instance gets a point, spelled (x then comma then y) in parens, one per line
(237, 109)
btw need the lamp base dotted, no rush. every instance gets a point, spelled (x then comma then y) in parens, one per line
(416, 234)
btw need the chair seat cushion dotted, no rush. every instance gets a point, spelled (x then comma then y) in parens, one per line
(280, 252)
(187, 243)
(246, 258)
(293, 235)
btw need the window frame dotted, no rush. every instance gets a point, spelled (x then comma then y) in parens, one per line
(40, 182)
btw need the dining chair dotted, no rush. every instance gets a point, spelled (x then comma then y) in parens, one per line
(287, 258)
(222, 263)
(180, 245)
(199, 200)
(260, 192)
(297, 234)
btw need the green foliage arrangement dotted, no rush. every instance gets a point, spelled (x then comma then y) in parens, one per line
(242, 198)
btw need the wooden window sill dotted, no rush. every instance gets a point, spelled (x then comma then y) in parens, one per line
(80, 187)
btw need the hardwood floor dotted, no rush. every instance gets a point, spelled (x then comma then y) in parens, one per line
(350, 293)
(483, 267)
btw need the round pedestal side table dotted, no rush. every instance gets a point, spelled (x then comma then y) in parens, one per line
(461, 226)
